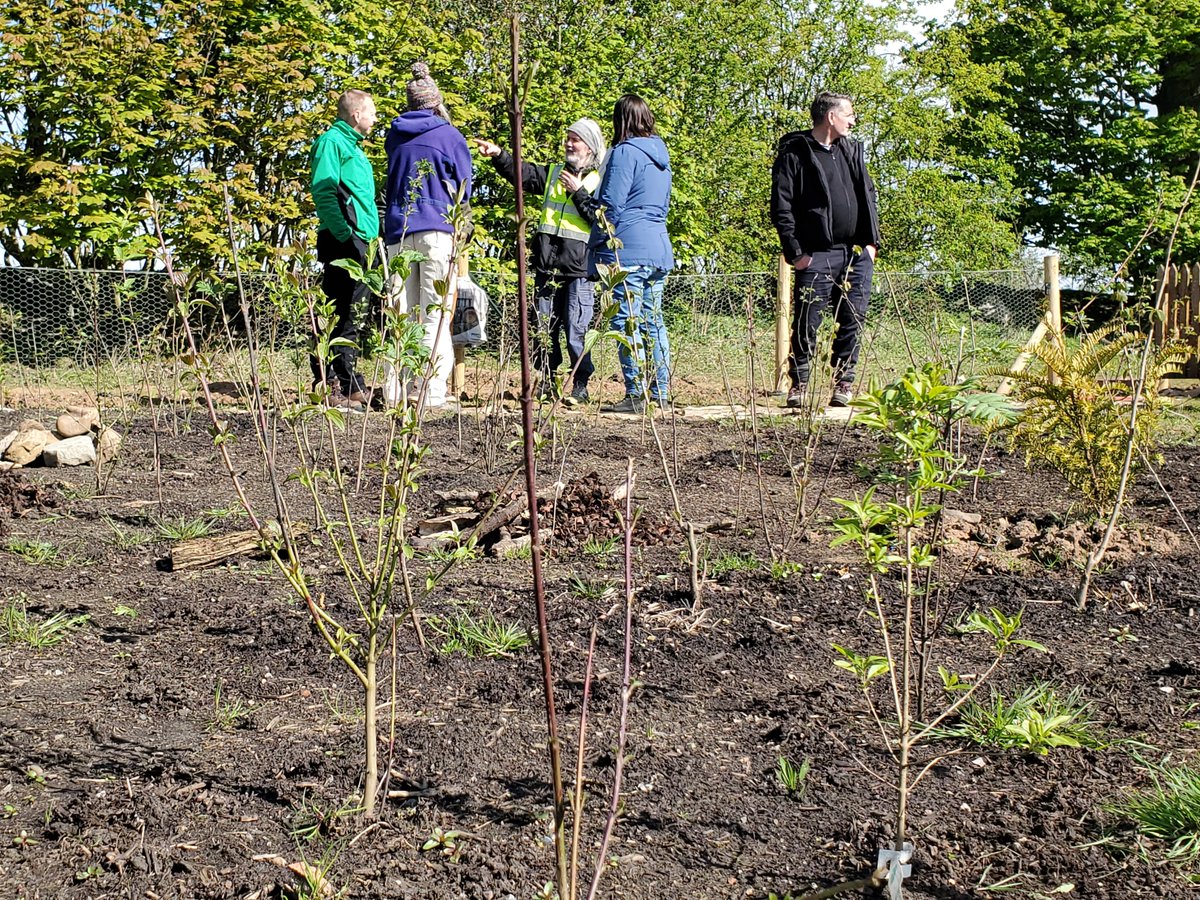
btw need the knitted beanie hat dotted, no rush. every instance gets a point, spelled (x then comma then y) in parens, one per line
(423, 91)
(589, 132)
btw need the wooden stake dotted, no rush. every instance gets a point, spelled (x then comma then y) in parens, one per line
(1026, 354)
(1053, 304)
(783, 322)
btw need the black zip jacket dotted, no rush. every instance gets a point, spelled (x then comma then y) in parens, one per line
(550, 253)
(800, 197)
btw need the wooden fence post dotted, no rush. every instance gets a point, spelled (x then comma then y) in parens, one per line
(1192, 370)
(1053, 303)
(783, 322)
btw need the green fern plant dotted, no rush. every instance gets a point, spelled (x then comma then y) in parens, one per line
(1076, 416)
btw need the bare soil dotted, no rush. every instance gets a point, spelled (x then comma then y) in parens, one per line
(123, 772)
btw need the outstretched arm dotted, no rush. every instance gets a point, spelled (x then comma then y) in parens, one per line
(534, 176)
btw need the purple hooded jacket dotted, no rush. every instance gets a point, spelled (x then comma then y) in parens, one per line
(415, 136)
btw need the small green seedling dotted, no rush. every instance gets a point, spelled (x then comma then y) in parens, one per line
(445, 842)
(793, 778)
(92, 871)
(227, 714)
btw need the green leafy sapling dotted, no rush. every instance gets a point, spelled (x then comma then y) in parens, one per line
(895, 527)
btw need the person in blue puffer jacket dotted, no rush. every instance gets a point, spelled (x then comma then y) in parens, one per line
(418, 218)
(635, 192)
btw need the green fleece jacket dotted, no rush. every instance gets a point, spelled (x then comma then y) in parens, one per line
(343, 184)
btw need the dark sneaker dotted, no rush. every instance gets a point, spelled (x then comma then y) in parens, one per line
(546, 392)
(629, 405)
(843, 393)
(796, 395)
(663, 403)
(577, 397)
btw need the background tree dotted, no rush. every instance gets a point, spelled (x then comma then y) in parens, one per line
(101, 103)
(1099, 101)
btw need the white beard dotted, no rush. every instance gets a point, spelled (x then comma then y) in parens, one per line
(579, 162)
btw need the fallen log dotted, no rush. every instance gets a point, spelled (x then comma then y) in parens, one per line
(502, 516)
(200, 553)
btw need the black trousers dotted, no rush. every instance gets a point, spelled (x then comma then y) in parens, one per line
(837, 278)
(345, 293)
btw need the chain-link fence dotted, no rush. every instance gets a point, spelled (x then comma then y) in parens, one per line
(721, 326)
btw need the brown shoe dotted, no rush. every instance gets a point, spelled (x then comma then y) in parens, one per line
(339, 400)
(367, 399)
(796, 395)
(843, 393)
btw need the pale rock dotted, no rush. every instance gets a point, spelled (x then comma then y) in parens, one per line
(961, 517)
(31, 425)
(107, 444)
(6, 440)
(6, 466)
(88, 415)
(68, 426)
(28, 446)
(74, 451)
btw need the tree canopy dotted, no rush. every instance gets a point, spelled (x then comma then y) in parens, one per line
(1069, 123)
(1095, 105)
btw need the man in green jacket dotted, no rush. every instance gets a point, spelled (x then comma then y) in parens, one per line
(343, 190)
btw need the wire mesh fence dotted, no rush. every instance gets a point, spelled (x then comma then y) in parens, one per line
(722, 326)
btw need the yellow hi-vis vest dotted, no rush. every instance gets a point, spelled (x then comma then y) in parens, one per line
(559, 215)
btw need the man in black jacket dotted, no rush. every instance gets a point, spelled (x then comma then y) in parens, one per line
(823, 204)
(564, 296)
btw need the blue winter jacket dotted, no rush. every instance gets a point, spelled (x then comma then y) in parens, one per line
(412, 137)
(636, 192)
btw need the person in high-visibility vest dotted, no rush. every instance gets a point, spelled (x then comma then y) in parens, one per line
(565, 298)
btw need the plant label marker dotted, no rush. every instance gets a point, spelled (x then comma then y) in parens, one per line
(898, 867)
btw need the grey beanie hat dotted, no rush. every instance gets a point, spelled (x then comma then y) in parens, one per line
(423, 91)
(590, 133)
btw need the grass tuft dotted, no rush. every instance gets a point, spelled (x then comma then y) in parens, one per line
(184, 529)
(36, 553)
(1168, 811)
(482, 636)
(18, 628)
(1038, 720)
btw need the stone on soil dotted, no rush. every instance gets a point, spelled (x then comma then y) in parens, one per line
(6, 440)
(28, 446)
(68, 426)
(74, 451)
(107, 444)
(88, 415)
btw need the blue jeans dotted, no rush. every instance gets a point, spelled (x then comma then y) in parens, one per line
(639, 317)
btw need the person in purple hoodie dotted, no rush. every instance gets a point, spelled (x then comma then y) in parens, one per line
(429, 166)
(635, 191)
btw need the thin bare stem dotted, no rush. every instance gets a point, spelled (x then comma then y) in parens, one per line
(527, 430)
(626, 690)
(577, 823)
